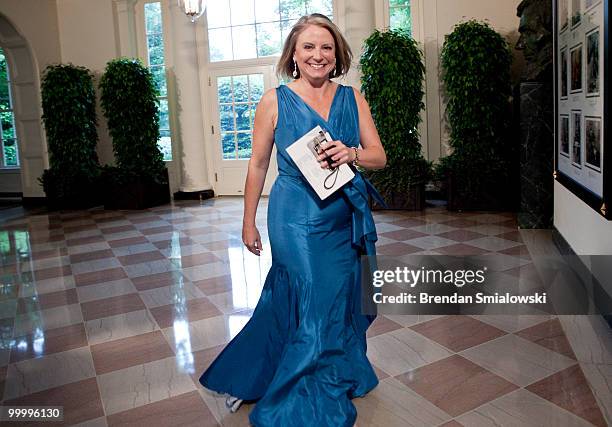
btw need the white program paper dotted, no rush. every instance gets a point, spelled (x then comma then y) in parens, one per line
(303, 153)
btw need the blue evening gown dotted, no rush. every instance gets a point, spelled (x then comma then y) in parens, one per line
(302, 355)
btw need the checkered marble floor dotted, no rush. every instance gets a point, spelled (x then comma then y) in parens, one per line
(114, 315)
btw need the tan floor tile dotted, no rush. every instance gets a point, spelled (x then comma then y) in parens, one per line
(126, 352)
(381, 325)
(143, 384)
(111, 306)
(392, 404)
(105, 290)
(141, 257)
(517, 360)
(521, 408)
(120, 326)
(403, 350)
(512, 322)
(215, 285)
(158, 280)
(170, 294)
(456, 385)
(81, 401)
(34, 375)
(209, 332)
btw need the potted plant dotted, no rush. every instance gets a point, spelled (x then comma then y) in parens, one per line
(130, 104)
(392, 83)
(476, 75)
(69, 117)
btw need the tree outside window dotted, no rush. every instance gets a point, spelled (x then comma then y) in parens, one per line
(157, 65)
(8, 138)
(399, 15)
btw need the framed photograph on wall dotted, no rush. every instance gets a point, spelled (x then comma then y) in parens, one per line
(576, 13)
(577, 139)
(576, 68)
(563, 15)
(564, 135)
(564, 64)
(582, 98)
(592, 63)
(592, 145)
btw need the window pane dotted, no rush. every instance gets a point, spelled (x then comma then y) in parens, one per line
(165, 144)
(244, 145)
(321, 6)
(228, 143)
(267, 10)
(226, 116)
(243, 120)
(153, 20)
(393, 3)
(256, 86)
(286, 28)
(224, 89)
(156, 55)
(244, 42)
(10, 152)
(241, 89)
(292, 9)
(400, 18)
(242, 12)
(218, 13)
(220, 44)
(159, 78)
(8, 130)
(164, 120)
(268, 39)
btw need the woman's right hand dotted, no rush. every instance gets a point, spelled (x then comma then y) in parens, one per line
(251, 239)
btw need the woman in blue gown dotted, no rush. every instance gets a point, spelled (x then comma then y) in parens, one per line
(302, 355)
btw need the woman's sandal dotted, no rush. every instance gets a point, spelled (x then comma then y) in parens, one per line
(233, 403)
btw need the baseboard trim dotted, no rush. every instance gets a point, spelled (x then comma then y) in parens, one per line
(194, 195)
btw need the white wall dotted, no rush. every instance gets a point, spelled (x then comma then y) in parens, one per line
(587, 232)
(87, 38)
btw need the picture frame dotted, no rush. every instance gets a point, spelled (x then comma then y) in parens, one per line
(576, 138)
(564, 64)
(592, 143)
(576, 13)
(564, 135)
(576, 68)
(592, 74)
(582, 151)
(563, 12)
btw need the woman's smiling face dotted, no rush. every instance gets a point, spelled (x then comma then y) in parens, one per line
(315, 53)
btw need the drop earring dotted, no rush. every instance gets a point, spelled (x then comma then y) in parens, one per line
(295, 73)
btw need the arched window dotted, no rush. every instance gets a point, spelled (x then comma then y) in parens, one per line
(8, 137)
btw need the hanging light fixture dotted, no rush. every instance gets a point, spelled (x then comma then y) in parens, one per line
(193, 8)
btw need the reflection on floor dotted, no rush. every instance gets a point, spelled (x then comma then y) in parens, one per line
(114, 315)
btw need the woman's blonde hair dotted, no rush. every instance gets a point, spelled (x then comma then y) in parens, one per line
(344, 55)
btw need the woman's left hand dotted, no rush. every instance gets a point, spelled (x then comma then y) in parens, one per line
(339, 153)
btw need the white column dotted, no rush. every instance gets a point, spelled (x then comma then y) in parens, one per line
(125, 32)
(189, 117)
(359, 22)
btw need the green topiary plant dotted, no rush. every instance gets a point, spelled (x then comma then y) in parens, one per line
(476, 75)
(130, 104)
(69, 116)
(392, 83)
